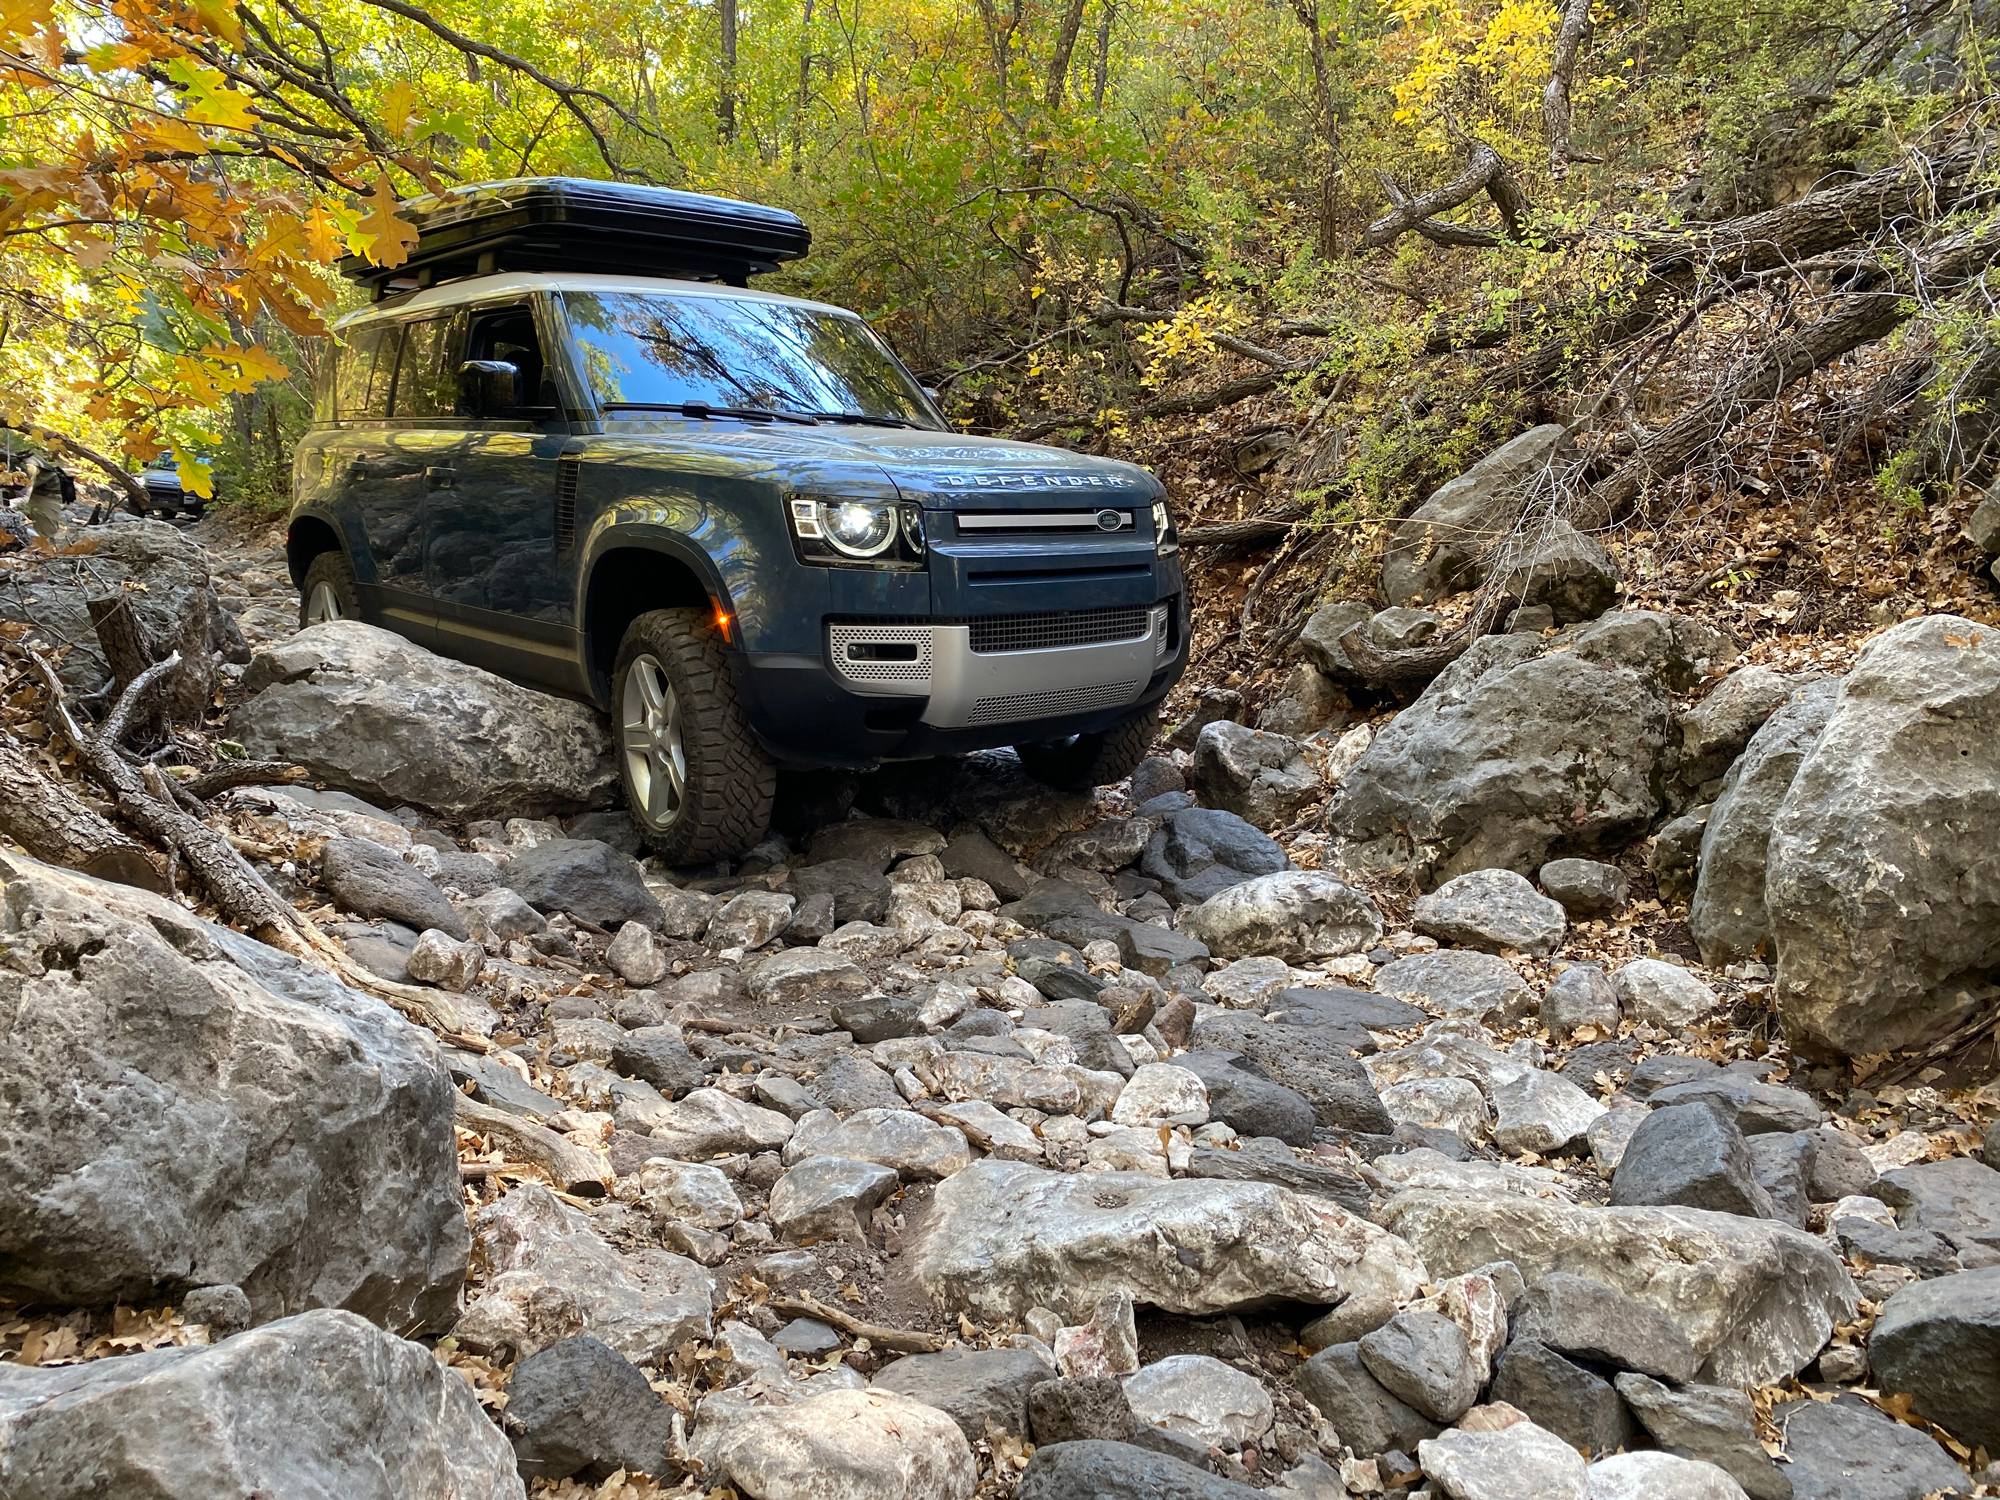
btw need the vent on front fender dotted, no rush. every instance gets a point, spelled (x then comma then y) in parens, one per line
(568, 471)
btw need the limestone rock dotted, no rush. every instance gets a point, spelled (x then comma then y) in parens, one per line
(1456, 983)
(905, 1142)
(797, 977)
(585, 878)
(1200, 851)
(1519, 1462)
(1939, 1343)
(1661, 1476)
(1214, 1403)
(1437, 551)
(1586, 887)
(581, 1408)
(1262, 777)
(367, 710)
(1661, 994)
(709, 1122)
(1492, 910)
(829, 1197)
(971, 1386)
(845, 1445)
(1295, 915)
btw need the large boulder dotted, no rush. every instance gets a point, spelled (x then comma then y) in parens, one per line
(321, 1404)
(1003, 1237)
(1727, 915)
(1438, 550)
(177, 602)
(187, 1107)
(1263, 778)
(369, 711)
(1295, 915)
(1756, 1299)
(1884, 879)
(1508, 758)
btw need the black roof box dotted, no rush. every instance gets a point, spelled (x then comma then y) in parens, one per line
(573, 224)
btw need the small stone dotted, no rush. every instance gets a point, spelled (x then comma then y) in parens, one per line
(1491, 910)
(1660, 994)
(689, 1193)
(1586, 887)
(1423, 1358)
(1519, 1462)
(1456, 983)
(1214, 1403)
(1588, 1320)
(1611, 1132)
(363, 877)
(1580, 996)
(1107, 1345)
(585, 878)
(657, 1055)
(1540, 1112)
(899, 1139)
(1662, 1476)
(1755, 1107)
(749, 919)
(1367, 1415)
(829, 1197)
(1453, 1104)
(974, 1387)
(501, 916)
(1348, 1323)
(222, 1310)
(634, 956)
(871, 1443)
(442, 960)
(877, 1018)
(1160, 1093)
(1094, 1470)
(709, 1122)
(806, 1338)
(1072, 1410)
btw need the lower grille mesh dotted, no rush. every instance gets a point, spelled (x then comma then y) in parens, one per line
(1086, 627)
(1048, 705)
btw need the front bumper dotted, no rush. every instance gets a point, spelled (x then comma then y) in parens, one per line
(909, 689)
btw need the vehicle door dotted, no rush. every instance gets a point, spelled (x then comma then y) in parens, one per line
(492, 549)
(380, 495)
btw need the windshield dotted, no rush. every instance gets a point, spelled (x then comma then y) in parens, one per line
(656, 350)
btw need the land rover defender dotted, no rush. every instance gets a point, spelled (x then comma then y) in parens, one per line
(567, 442)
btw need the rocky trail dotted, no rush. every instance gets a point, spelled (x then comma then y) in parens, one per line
(1568, 1074)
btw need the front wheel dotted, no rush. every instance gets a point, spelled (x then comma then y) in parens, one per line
(327, 592)
(1084, 761)
(699, 785)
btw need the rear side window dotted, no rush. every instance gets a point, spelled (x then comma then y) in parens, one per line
(383, 382)
(427, 382)
(354, 372)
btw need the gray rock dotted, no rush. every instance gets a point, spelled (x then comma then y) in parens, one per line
(1492, 767)
(1716, 730)
(1588, 1320)
(849, 1083)
(1492, 910)
(1540, 1112)
(1201, 851)
(1692, 1156)
(365, 709)
(1003, 1237)
(1090, 1469)
(1153, 776)
(1422, 1358)
(1439, 549)
(1307, 701)
(614, 827)
(1296, 915)
(1844, 1449)
(550, 1276)
(1574, 1403)
(1320, 644)
(1251, 1104)
(842, 1443)
(859, 889)
(468, 874)
(1554, 565)
(1087, 1025)
(586, 879)
(1298, 1057)
(1983, 527)
(877, 842)
(1080, 1409)
(830, 1197)
(1652, 1475)
(1586, 887)
(1520, 1462)
(634, 956)
(1108, 844)
(1263, 1158)
(972, 855)
(498, 1085)
(1726, 913)
(1580, 996)
(579, 1407)
(324, 1403)
(500, 916)
(877, 1018)
(812, 919)
(1455, 983)
(1678, 651)
(1878, 906)
(804, 978)
(371, 881)
(222, 1310)
(971, 1386)
(657, 1055)
(1755, 1107)
(1878, 1244)
(1661, 994)
(1366, 1414)
(1347, 1323)
(1712, 1423)
(807, 1338)
(1398, 629)
(903, 1141)
(1676, 855)
(1215, 1404)
(1839, 1169)
(1343, 1009)
(1756, 1299)
(1939, 1343)
(1263, 778)
(1782, 1164)
(1069, 913)
(1157, 950)
(1958, 1198)
(188, 1107)
(1664, 1070)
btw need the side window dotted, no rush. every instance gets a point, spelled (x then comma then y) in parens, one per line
(384, 381)
(509, 334)
(354, 371)
(427, 382)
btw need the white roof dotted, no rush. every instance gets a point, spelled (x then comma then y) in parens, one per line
(468, 289)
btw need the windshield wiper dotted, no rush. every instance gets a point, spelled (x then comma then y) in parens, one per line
(704, 409)
(869, 419)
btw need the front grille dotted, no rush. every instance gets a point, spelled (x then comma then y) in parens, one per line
(1074, 700)
(1087, 627)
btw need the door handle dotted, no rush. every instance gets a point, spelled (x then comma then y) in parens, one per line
(441, 479)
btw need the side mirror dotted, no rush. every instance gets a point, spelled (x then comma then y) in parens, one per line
(488, 387)
(936, 395)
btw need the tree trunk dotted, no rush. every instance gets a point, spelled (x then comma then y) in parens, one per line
(725, 101)
(57, 827)
(1059, 61)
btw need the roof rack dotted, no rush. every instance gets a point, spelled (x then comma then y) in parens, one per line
(573, 224)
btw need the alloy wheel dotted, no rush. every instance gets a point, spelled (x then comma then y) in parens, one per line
(323, 604)
(650, 737)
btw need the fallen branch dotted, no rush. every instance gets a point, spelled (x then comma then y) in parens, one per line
(234, 773)
(1486, 172)
(900, 1340)
(137, 500)
(1227, 394)
(570, 1167)
(56, 826)
(1419, 663)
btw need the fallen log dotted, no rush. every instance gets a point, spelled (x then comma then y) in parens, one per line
(58, 827)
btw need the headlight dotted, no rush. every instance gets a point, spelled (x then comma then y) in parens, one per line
(1165, 539)
(879, 533)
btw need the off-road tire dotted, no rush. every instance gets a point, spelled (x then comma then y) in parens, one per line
(730, 780)
(334, 571)
(1091, 760)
